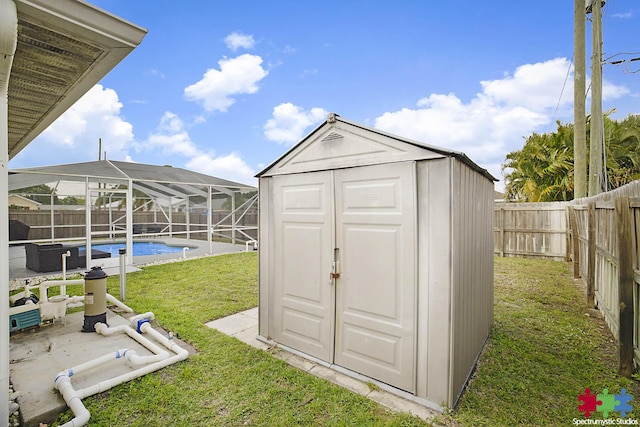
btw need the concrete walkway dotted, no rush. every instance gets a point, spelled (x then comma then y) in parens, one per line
(244, 326)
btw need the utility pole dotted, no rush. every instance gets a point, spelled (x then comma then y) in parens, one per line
(579, 124)
(595, 142)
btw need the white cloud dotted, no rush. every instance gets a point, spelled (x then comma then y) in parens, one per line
(170, 137)
(537, 85)
(74, 138)
(236, 76)
(231, 166)
(612, 91)
(235, 41)
(290, 122)
(497, 119)
(96, 115)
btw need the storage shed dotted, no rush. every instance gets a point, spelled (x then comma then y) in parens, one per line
(376, 258)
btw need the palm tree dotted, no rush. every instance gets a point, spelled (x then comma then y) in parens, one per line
(623, 157)
(543, 170)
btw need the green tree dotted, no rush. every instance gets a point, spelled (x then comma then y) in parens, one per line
(542, 171)
(71, 200)
(623, 156)
(40, 193)
(240, 198)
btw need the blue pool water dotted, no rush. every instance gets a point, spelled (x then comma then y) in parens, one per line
(139, 248)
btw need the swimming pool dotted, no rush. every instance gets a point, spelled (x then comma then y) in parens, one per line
(139, 248)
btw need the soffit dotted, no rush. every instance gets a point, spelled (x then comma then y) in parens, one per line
(63, 49)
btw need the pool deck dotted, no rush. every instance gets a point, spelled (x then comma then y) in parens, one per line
(197, 248)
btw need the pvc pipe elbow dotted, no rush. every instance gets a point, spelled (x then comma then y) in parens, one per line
(62, 380)
(106, 330)
(134, 319)
(82, 414)
(100, 328)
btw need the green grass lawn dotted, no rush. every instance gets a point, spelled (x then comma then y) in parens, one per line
(546, 348)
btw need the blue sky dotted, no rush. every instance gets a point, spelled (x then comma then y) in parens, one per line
(226, 87)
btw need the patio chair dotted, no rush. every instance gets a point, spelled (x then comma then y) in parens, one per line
(18, 230)
(45, 258)
(154, 228)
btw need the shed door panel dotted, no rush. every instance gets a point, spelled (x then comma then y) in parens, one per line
(303, 309)
(375, 295)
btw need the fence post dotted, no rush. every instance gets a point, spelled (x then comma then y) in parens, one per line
(575, 234)
(567, 236)
(591, 256)
(625, 287)
(502, 232)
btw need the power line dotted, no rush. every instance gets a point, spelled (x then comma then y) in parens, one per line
(562, 91)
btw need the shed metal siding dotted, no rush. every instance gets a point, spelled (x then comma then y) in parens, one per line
(454, 229)
(472, 272)
(434, 278)
(265, 268)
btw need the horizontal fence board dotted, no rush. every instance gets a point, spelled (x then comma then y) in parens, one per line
(537, 230)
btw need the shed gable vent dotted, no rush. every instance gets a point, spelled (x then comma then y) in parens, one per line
(332, 137)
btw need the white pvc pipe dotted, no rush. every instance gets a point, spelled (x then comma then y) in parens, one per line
(112, 382)
(131, 355)
(43, 286)
(74, 402)
(134, 319)
(246, 244)
(119, 304)
(74, 397)
(75, 299)
(63, 288)
(169, 343)
(83, 367)
(184, 252)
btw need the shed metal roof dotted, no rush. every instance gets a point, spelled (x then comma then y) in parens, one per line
(334, 120)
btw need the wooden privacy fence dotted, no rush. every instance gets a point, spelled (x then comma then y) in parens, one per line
(69, 224)
(531, 230)
(604, 248)
(601, 236)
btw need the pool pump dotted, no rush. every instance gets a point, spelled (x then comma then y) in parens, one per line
(95, 299)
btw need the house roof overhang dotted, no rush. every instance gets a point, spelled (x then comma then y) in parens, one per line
(64, 47)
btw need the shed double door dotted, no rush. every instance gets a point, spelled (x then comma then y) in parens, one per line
(360, 224)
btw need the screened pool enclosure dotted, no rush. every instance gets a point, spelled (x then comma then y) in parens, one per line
(108, 200)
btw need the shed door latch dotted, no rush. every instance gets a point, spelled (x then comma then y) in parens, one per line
(335, 265)
(335, 270)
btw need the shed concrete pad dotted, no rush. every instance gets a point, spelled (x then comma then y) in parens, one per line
(38, 355)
